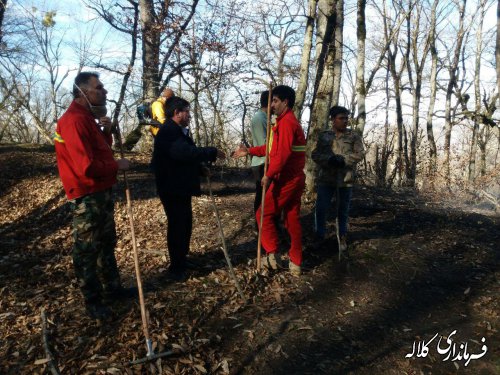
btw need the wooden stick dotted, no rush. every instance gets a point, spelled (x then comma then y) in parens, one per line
(266, 162)
(48, 354)
(337, 221)
(224, 248)
(144, 316)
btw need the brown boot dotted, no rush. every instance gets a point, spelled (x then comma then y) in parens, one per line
(294, 269)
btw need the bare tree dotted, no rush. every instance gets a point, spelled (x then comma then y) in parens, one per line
(129, 70)
(339, 47)
(271, 34)
(382, 157)
(433, 91)
(453, 74)
(360, 66)
(306, 55)
(382, 48)
(323, 88)
(477, 92)
(419, 51)
(3, 6)
(162, 27)
(396, 75)
(497, 49)
(44, 56)
(48, 47)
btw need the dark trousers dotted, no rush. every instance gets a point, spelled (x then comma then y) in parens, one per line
(258, 173)
(325, 193)
(180, 225)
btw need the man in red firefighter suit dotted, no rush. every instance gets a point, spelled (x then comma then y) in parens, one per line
(88, 171)
(284, 179)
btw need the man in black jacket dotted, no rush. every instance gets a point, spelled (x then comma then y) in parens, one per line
(177, 164)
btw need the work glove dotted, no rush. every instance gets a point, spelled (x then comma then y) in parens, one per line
(336, 161)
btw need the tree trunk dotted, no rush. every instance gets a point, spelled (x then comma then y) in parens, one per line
(483, 138)
(337, 63)
(323, 84)
(3, 5)
(433, 89)
(360, 67)
(453, 69)
(126, 76)
(152, 29)
(150, 50)
(304, 64)
(418, 66)
(396, 79)
(497, 50)
(477, 94)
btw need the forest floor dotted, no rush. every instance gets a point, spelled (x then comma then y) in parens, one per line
(418, 268)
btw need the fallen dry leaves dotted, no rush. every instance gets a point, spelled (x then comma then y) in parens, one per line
(406, 275)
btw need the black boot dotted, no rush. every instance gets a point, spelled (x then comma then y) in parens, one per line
(121, 293)
(96, 310)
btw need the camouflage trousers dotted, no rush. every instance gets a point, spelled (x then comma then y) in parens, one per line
(94, 234)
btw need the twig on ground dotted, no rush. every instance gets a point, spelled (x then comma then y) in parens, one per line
(45, 337)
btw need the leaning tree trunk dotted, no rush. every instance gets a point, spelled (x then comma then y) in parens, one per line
(323, 84)
(304, 64)
(126, 78)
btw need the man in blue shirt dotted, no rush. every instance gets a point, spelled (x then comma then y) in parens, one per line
(259, 132)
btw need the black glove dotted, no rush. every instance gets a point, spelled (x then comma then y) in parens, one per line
(336, 161)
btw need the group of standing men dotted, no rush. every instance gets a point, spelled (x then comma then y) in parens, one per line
(336, 154)
(88, 170)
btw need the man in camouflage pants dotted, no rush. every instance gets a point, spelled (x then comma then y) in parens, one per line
(88, 170)
(94, 229)
(337, 152)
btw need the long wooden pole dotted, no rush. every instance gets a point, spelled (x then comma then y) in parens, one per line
(144, 316)
(266, 162)
(223, 240)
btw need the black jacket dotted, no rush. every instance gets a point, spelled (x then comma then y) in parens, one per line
(176, 161)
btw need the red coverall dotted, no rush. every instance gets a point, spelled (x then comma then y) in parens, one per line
(84, 156)
(286, 170)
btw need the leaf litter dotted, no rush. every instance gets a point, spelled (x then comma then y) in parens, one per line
(303, 322)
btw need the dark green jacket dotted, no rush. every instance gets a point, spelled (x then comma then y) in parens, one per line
(349, 146)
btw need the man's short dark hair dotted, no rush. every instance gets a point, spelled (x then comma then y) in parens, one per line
(264, 99)
(285, 92)
(82, 79)
(175, 103)
(337, 110)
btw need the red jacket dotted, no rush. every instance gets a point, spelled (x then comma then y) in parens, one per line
(288, 145)
(84, 156)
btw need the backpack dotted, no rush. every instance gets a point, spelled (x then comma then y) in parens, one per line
(144, 113)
